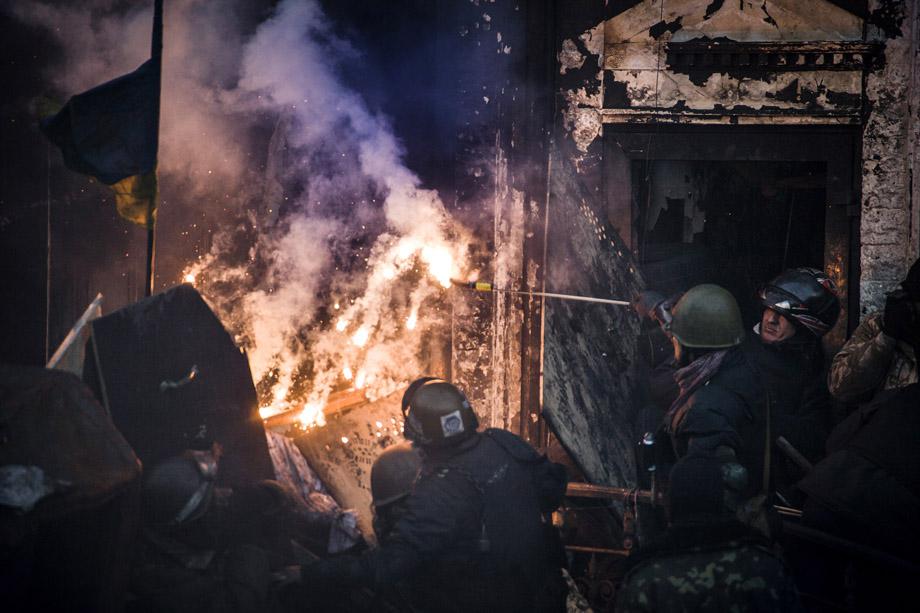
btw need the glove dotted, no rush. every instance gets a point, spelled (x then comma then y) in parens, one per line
(645, 302)
(900, 318)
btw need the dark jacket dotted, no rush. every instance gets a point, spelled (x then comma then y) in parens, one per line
(729, 410)
(707, 567)
(473, 536)
(792, 374)
(870, 480)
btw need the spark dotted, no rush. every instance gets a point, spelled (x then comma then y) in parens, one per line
(312, 415)
(359, 338)
(344, 440)
(440, 263)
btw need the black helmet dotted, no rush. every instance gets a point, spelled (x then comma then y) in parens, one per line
(436, 413)
(178, 490)
(393, 474)
(807, 296)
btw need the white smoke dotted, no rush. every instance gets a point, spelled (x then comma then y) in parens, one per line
(345, 256)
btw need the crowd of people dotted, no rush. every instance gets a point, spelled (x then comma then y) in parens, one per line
(792, 483)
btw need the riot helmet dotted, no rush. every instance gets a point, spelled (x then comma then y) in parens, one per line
(436, 413)
(393, 474)
(178, 490)
(807, 296)
(707, 317)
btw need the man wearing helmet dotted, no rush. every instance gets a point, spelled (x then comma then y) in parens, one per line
(882, 354)
(717, 410)
(473, 534)
(800, 307)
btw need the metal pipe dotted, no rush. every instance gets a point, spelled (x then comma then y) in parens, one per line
(481, 286)
(589, 490)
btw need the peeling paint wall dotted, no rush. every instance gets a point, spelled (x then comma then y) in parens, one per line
(771, 62)
(889, 206)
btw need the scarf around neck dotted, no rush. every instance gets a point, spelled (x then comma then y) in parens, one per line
(689, 379)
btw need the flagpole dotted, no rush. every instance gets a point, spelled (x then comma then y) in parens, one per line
(156, 54)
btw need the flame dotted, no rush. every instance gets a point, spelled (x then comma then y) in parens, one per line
(440, 263)
(346, 372)
(412, 320)
(189, 278)
(270, 411)
(359, 338)
(361, 379)
(312, 415)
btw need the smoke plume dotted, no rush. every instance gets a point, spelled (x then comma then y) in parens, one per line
(328, 258)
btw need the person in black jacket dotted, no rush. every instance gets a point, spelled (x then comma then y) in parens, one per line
(867, 492)
(474, 535)
(719, 409)
(800, 307)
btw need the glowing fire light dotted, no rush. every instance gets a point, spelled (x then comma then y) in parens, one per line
(341, 325)
(344, 440)
(360, 380)
(440, 263)
(189, 278)
(312, 415)
(412, 320)
(270, 411)
(359, 338)
(346, 372)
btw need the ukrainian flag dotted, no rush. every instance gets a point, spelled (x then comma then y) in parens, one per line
(111, 133)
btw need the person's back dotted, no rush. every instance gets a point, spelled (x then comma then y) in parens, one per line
(496, 556)
(709, 571)
(707, 561)
(471, 536)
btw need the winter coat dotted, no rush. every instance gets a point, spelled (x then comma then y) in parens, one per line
(871, 361)
(707, 568)
(871, 477)
(800, 405)
(730, 411)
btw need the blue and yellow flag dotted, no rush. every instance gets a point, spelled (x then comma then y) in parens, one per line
(110, 133)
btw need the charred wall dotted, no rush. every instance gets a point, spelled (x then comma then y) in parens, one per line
(659, 63)
(890, 202)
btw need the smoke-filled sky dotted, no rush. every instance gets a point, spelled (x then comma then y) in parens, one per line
(326, 255)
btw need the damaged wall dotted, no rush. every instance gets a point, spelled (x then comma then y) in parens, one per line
(769, 62)
(890, 201)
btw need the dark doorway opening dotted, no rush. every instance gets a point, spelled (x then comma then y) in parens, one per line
(735, 205)
(735, 223)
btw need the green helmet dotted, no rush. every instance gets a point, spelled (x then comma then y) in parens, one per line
(437, 414)
(707, 316)
(393, 474)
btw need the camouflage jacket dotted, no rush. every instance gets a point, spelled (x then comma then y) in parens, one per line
(869, 362)
(687, 573)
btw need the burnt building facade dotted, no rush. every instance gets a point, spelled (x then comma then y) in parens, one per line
(665, 143)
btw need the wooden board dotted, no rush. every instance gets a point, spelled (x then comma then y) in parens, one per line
(342, 452)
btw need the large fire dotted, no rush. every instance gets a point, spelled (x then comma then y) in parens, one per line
(361, 340)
